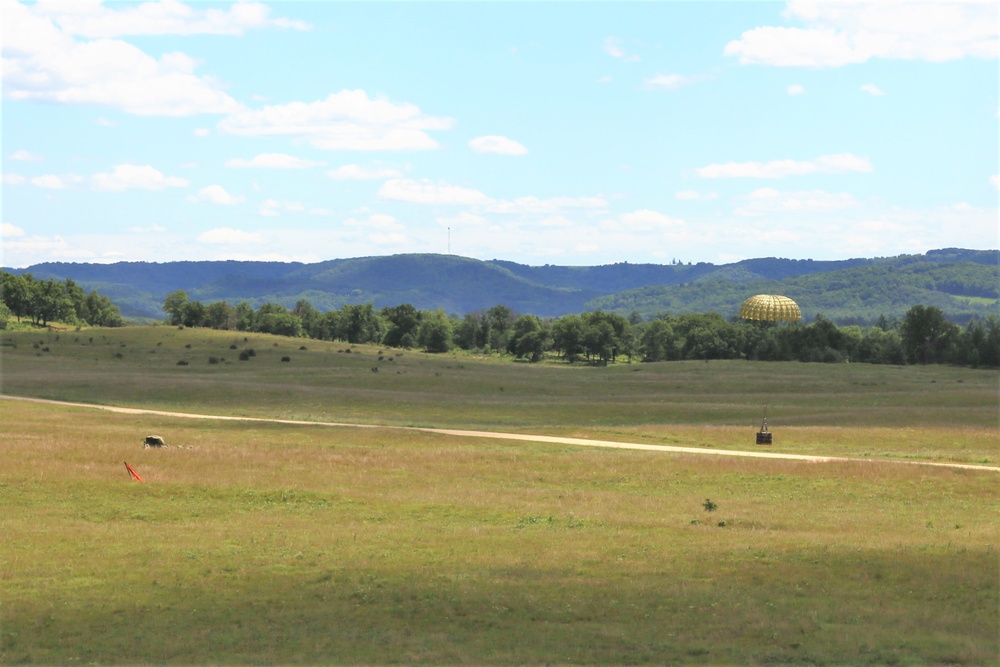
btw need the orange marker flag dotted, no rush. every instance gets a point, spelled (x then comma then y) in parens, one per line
(132, 472)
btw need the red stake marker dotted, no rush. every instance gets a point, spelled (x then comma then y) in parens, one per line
(132, 472)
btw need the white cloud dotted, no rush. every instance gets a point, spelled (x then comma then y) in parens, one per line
(995, 181)
(348, 120)
(497, 144)
(872, 89)
(612, 47)
(166, 17)
(375, 221)
(644, 220)
(669, 81)
(560, 221)
(216, 194)
(355, 172)
(42, 63)
(389, 239)
(464, 219)
(694, 195)
(321, 211)
(10, 231)
(228, 235)
(378, 228)
(149, 229)
(13, 179)
(274, 161)
(426, 192)
(842, 32)
(270, 208)
(537, 206)
(130, 176)
(25, 156)
(827, 164)
(201, 132)
(53, 182)
(796, 89)
(768, 200)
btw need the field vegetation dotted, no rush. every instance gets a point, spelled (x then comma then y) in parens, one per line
(253, 542)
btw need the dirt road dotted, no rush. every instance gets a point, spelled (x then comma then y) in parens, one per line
(512, 436)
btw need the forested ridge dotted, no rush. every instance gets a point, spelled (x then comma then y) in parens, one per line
(923, 335)
(848, 296)
(962, 283)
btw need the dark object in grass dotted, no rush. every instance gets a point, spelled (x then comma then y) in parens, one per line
(709, 505)
(764, 435)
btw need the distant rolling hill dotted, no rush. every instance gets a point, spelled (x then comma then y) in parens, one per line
(963, 283)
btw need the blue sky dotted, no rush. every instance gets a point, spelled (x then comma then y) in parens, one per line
(569, 133)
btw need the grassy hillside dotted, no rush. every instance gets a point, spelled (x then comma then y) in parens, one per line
(170, 369)
(256, 543)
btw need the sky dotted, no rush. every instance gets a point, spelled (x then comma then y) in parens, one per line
(564, 133)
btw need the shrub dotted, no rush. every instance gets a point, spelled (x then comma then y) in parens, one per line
(244, 355)
(182, 362)
(286, 358)
(213, 360)
(709, 505)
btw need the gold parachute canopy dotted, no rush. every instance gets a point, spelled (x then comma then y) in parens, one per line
(770, 307)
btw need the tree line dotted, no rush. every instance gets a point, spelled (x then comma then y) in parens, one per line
(923, 335)
(43, 301)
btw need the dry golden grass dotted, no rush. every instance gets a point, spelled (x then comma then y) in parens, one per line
(267, 543)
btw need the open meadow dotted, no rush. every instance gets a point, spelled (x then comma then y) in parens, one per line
(265, 543)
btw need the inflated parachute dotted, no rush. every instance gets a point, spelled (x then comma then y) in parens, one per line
(770, 307)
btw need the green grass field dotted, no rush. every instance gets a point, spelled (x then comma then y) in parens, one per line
(257, 543)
